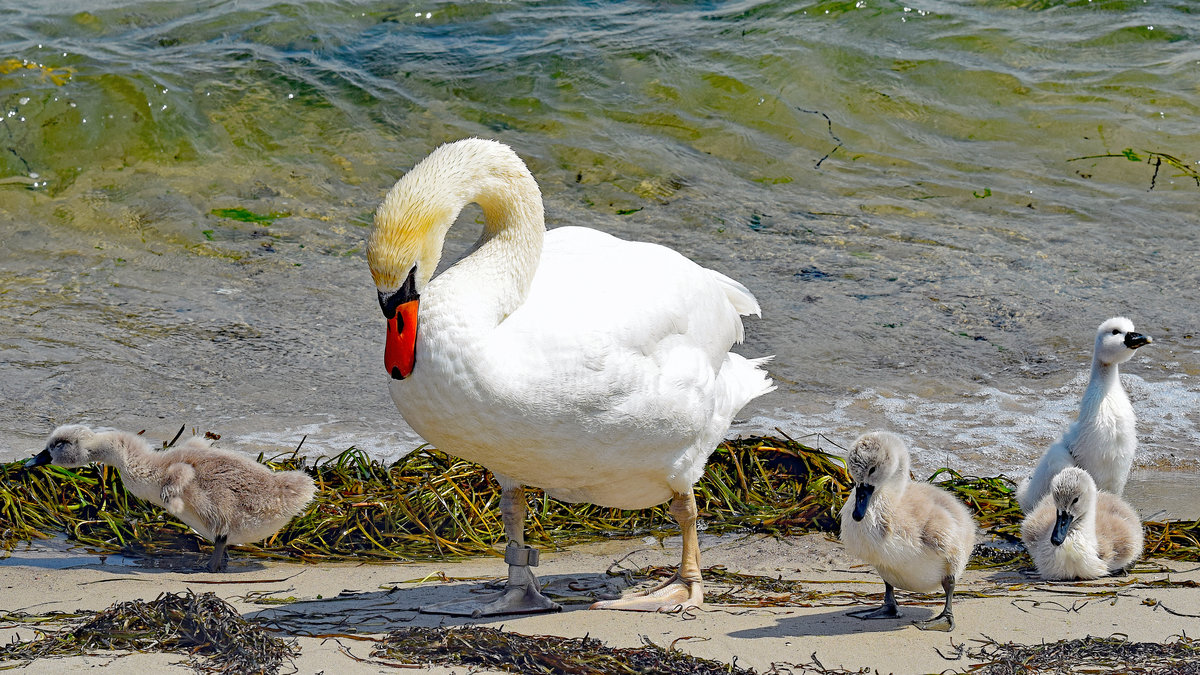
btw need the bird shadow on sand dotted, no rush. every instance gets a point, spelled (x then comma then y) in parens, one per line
(835, 622)
(55, 554)
(383, 611)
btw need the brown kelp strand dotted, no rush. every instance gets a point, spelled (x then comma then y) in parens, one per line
(484, 647)
(203, 627)
(430, 505)
(1178, 656)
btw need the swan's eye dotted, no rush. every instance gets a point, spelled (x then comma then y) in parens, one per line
(1074, 501)
(871, 472)
(1116, 331)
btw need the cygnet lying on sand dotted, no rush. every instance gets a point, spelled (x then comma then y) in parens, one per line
(915, 535)
(1102, 440)
(226, 497)
(1077, 532)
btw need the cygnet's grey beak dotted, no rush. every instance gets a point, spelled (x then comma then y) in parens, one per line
(1061, 525)
(1135, 340)
(862, 497)
(42, 459)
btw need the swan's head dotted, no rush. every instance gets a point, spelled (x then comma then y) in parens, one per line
(1116, 341)
(411, 224)
(67, 446)
(877, 459)
(1074, 495)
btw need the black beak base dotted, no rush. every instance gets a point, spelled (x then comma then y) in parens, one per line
(42, 459)
(862, 497)
(1062, 524)
(1135, 340)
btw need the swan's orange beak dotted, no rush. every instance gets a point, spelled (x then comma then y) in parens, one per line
(400, 310)
(400, 350)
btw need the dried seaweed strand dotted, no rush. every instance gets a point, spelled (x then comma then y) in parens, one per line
(485, 647)
(204, 627)
(429, 505)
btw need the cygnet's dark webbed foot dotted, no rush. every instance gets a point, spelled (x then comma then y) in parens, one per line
(945, 620)
(220, 557)
(890, 609)
(942, 622)
(884, 612)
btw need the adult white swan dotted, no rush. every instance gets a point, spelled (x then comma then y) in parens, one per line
(594, 368)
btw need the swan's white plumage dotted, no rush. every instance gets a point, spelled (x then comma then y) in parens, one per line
(609, 381)
(1104, 537)
(1103, 439)
(595, 368)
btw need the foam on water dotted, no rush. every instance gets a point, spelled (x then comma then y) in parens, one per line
(990, 431)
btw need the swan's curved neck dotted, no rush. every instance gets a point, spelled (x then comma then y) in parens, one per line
(507, 254)
(413, 219)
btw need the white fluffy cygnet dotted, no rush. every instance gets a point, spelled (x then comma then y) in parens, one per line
(225, 497)
(917, 536)
(1077, 532)
(1102, 440)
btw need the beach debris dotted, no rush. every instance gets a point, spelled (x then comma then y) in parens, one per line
(738, 589)
(484, 647)
(1177, 656)
(204, 627)
(429, 505)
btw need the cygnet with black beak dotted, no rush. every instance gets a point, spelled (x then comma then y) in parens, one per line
(917, 536)
(1077, 532)
(1102, 440)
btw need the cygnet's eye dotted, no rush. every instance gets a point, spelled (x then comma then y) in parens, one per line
(1116, 331)
(871, 472)
(1074, 501)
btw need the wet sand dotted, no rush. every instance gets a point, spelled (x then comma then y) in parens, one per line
(369, 600)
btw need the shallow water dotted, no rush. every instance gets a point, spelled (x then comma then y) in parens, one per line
(936, 202)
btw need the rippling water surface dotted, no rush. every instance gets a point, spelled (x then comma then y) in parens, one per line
(936, 202)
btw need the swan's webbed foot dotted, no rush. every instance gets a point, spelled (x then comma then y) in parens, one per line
(520, 595)
(220, 556)
(889, 610)
(673, 595)
(685, 589)
(512, 600)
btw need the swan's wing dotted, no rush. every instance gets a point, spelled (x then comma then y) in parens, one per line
(608, 320)
(634, 294)
(175, 479)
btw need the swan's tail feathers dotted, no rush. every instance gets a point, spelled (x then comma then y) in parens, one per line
(745, 380)
(739, 296)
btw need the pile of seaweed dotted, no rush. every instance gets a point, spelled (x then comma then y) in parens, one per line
(483, 647)
(430, 505)
(204, 627)
(1116, 654)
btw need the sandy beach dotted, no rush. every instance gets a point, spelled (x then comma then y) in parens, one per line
(335, 611)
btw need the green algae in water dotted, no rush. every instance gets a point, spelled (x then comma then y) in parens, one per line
(248, 216)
